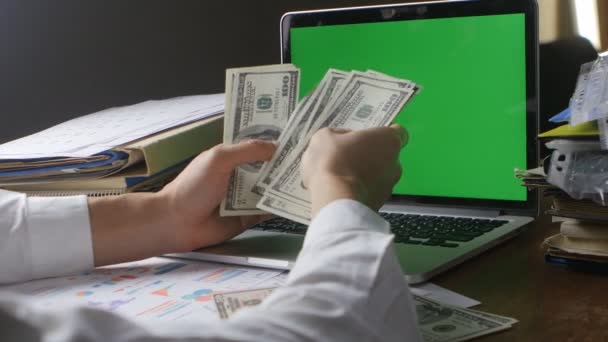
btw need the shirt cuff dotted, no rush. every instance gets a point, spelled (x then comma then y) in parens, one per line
(60, 235)
(345, 215)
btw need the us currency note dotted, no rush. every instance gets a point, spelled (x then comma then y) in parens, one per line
(336, 82)
(283, 147)
(299, 124)
(259, 101)
(381, 82)
(227, 303)
(366, 101)
(437, 322)
(500, 319)
(443, 323)
(290, 210)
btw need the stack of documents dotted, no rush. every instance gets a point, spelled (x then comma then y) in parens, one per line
(581, 245)
(574, 176)
(113, 150)
(577, 202)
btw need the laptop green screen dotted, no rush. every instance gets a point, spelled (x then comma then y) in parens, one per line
(467, 125)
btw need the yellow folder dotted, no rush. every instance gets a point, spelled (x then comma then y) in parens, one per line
(587, 129)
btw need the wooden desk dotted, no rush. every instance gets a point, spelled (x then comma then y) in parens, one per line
(551, 303)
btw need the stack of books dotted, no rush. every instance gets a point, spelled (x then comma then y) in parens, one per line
(118, 150)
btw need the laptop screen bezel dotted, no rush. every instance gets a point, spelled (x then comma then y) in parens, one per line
(435, 10)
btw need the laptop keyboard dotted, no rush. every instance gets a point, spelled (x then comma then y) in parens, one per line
(281, 225)
(442, 231)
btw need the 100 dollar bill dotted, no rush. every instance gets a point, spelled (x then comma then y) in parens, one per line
(298, 126)
(444, 323)
(366, 101)
(227, 303)
(259, 101)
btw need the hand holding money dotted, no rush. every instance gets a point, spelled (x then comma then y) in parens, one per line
(337, 163)
(190, 203)
(342, 100)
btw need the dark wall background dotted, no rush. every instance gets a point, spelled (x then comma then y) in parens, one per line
(61, 59)
(65, 58)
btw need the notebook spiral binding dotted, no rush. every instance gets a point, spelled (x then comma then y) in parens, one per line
(88, 193)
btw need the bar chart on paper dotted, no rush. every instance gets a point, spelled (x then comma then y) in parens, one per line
(156, 289)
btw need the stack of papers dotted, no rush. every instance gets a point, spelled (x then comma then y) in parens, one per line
(565, 206)
(90, 146)
(575, 181)
(533, 178)
(580, 245)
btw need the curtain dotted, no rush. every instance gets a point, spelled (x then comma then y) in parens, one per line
(602, 11)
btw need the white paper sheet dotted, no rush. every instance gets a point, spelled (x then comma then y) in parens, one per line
(440, 294)
(104, 130)
(152, 290)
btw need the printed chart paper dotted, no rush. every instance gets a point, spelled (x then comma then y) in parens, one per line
(152, 290)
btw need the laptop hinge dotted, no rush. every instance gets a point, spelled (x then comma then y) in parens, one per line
(401, 208)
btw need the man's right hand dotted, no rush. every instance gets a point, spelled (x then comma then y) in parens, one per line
(360, 165)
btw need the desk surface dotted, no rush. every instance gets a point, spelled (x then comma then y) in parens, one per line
(551, 304)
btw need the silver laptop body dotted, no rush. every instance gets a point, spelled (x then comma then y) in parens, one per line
(420, 262)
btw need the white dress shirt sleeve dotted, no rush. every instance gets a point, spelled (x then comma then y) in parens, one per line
(345, 286)
(43, 237)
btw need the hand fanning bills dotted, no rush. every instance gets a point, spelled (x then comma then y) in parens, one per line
(350, 100)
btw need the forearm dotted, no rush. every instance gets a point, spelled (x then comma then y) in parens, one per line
(130, 227)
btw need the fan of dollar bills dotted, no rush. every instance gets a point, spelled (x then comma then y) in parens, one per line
(262, 103)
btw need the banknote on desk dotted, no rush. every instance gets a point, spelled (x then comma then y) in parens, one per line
(228, 303)
(444, 323)
(437, 322)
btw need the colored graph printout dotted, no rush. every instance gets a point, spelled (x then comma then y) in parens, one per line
(151, 290)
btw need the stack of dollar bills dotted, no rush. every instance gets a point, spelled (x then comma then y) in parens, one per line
(262, 103)
(437, 322)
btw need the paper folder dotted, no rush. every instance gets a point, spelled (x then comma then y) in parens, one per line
(584, 130)
(150, 161)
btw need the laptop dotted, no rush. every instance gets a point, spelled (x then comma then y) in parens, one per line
(474, 121)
